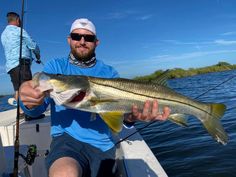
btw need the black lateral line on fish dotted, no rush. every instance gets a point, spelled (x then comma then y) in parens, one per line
(158, 98)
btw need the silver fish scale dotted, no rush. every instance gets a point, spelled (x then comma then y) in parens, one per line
(147, 90)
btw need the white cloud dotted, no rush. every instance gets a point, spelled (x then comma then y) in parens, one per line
(224, 42)
(145, 17)
(121, 15)
(201, 43)
(176, 42)
(229, 33)
(162, 59)
(189, 55)
(128, 13)
(146, 66)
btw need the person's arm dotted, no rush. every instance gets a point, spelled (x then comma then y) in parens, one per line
(32, 101)
(31, 44)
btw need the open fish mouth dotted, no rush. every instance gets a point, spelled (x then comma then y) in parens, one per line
(78, 98)
(68, 96)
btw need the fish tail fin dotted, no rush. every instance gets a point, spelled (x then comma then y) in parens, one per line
(218, 109)
(213, 125)
(114, 120)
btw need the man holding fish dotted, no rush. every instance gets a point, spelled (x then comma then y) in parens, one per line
(82, 141)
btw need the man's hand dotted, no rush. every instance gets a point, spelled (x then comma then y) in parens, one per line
(37, 55)
(38, 61)
(150, 112)
(30, 95)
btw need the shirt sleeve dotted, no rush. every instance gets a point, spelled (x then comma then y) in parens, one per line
(35, 112)
(30, 43)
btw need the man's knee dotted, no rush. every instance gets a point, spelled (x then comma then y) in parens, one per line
(65, 167)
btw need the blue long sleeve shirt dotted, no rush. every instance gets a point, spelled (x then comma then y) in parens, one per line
(10, 39)
(78, 124)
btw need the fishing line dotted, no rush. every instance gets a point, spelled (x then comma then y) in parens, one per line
(150, 123)
(216, 86)
(16, 143)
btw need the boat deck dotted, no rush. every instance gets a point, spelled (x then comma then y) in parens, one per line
(135, 159)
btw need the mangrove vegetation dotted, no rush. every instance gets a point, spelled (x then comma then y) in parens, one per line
(179, 72)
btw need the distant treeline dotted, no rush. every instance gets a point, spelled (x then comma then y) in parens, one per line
(178, 72)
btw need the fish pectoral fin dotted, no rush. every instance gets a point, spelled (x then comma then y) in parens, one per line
(180, 119)
(114, 120)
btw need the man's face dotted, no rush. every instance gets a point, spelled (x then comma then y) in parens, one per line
(82, 49)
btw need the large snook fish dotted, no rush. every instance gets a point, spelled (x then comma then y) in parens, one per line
(111, 98)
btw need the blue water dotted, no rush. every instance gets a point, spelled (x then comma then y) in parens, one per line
(3, 103)
(191, 152)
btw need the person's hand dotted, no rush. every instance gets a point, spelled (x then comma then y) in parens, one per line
(30, 95)
(38, 61)
(150, 112)
(37, 55)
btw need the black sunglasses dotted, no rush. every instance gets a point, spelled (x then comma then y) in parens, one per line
(87, 37)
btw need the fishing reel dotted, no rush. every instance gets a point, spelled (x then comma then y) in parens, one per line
(32, 154)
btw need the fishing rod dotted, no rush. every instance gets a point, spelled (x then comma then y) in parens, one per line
(38, 61)
(150, 123)
(16, 143)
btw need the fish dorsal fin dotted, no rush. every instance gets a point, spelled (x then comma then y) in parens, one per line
(114, 120)
(162, 79)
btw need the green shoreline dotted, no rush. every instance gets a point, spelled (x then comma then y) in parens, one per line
(179, 72)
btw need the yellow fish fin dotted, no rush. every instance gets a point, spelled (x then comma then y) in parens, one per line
(213, 125)
(217, 110)
(114, 120)
(180, 119)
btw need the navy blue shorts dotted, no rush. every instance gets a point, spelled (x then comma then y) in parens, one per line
(94, 162)
(25, 75)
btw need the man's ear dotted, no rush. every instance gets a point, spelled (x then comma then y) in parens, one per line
(97, 42)
(68, 39)
(18, 22)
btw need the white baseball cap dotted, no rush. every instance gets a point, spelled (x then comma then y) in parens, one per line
(83, 23)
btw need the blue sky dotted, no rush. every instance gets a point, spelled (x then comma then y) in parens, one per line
(136, 37)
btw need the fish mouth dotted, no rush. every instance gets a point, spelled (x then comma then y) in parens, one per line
(78, 98)
(72, 96)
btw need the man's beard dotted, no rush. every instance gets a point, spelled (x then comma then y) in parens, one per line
(83, 56)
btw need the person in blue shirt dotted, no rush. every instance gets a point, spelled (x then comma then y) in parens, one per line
(10, 39)
(81, 146)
